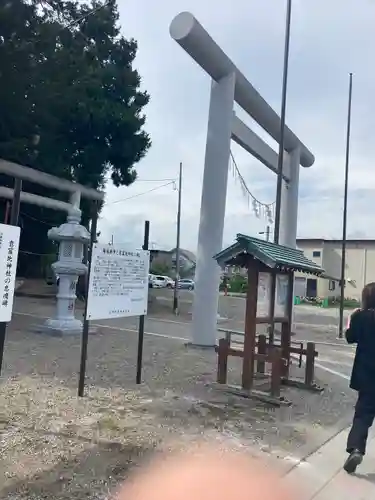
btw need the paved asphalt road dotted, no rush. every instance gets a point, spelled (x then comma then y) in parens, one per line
(310, 324)
(233, 308)
(313, 324)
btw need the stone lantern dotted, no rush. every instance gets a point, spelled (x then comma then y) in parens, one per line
(71, 237)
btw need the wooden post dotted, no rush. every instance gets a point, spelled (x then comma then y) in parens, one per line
(285, 348)
(250, 327)
(310, 361)
(271, 328)
(276, 372)
(286, 328)
(262, 349)
(222, 361)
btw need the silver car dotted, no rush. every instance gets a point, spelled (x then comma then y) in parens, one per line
(186, 284)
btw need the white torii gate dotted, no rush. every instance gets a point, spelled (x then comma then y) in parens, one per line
(229, 85)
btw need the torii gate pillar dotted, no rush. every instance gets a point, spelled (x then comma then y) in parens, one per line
(229, 86)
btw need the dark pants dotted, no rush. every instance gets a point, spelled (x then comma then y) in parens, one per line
(363, 419)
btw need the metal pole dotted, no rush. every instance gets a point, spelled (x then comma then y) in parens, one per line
(86, 323)
(15, 211)
(268, 230)
(175, 291)
(345, 213)
(280, 162)
(13, 222)
(141, 327)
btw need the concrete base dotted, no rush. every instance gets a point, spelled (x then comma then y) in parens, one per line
(262, 396)
(299, 384)
(192, 345)
(59, 328)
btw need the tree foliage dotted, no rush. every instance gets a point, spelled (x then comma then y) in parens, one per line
(70, 98)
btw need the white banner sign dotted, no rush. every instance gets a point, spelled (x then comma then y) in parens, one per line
(118, 285)
(9, 244)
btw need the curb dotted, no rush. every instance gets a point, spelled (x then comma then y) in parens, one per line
(20, 293)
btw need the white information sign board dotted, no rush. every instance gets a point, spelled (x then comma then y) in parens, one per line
(264, 295)
(9, 245)
(282, 285)
(118, 285)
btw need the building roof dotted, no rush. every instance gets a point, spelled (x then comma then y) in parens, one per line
(186, 253)
(332, 240)
(270, 254)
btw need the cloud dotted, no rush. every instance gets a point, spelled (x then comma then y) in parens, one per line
(328, 40)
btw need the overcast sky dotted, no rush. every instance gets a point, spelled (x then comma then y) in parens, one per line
(329, 38)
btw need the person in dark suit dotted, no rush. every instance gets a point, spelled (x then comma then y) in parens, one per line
(361, 331)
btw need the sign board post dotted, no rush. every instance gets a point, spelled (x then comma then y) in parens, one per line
(85, 330)
(118, 288)
(9, 245)
(141, 328)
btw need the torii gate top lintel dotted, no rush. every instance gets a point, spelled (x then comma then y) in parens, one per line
(186, 30)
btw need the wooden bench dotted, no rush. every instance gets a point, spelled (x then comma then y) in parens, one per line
(263, 350)
(224, 350)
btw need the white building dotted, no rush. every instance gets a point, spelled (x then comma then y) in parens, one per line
(359, 268)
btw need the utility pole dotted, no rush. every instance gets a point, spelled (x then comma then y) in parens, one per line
(345, 211)
(267, 233)
(280, 162)
(175, 291)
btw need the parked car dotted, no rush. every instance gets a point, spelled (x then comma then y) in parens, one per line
(170, 282)
(150, 280)
(160, 281)
(186, 284)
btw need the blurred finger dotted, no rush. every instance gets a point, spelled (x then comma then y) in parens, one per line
(209, 475)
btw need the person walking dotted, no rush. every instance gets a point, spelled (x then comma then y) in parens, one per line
(225, 285)
(361, 331)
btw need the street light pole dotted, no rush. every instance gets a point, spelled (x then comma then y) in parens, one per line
(280, 162)
(345, 211)
(175, 291)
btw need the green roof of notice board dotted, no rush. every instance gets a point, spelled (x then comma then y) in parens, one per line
(270, 254)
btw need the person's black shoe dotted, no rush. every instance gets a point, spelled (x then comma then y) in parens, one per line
(354, 459)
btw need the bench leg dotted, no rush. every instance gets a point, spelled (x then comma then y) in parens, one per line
(222, 361)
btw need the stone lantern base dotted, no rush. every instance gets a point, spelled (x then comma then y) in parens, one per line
(56, 327)
(63, 328)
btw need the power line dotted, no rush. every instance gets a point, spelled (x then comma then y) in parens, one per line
(26, 252)
(85, 16)
(156, 180)
(111, 203)
(141, 194)
(38, 220)
(75, 21)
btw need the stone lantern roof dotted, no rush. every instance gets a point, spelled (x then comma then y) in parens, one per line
(71, 230)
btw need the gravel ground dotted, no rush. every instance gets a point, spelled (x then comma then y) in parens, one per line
(54, 445)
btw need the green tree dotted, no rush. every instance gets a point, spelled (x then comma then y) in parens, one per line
(160, 268)
(70, 99)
